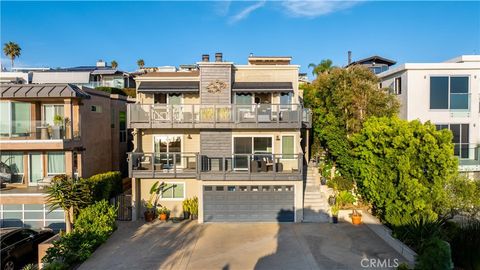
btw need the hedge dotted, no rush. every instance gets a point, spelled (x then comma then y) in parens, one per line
(105, 185)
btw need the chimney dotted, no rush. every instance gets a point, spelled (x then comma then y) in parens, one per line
(218, 57)
(349, 57)
(101, 63)
(205, 58)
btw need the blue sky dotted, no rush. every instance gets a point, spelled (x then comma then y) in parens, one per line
(63, 34)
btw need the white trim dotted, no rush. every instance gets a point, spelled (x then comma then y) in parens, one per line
(31, 141)
(176, 199)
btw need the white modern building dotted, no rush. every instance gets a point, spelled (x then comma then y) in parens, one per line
(446, 94)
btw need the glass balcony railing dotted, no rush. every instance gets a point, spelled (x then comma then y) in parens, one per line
(230, 113)
(36, 130)
(468, 154)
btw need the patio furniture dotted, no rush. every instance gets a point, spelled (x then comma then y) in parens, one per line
(45, 182)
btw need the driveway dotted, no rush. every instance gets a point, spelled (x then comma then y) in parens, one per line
(230, 246)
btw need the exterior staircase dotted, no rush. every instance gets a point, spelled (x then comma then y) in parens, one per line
(315, 199)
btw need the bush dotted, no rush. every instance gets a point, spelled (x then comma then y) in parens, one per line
(345, 198)
(94, 225)
(55, 266)
(105, 185)
(131, 92)
(435, 255)
(111, 90)
(340, 183)
(465, 243)
(418, 231)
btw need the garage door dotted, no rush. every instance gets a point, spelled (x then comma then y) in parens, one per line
(248, 203)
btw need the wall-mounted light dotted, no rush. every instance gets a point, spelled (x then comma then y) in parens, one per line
(189, 136)
(277, 138)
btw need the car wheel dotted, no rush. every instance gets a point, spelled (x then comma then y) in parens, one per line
(9, 265)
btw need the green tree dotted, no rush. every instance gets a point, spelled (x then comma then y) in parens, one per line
(12, 51)
(341, 100)
(114, 64)
(324, 66)
(69, 194)
(140, 63)
(402, 168)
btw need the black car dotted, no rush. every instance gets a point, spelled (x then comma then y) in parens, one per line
(18, 244)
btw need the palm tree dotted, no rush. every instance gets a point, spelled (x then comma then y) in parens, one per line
(140, 63)
(324, 66)
(69, 194)
(12, 50)
(114, 64)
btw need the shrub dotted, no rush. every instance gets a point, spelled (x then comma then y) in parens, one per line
(55, 266)
(345, 198)
(465, 244)
(30, 266)
(418, 231)
(131, 92)
(435, 255)
(105, 185)
(97, 219)
(111, 90)
(340, 183)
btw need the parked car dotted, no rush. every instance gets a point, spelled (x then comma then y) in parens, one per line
(19, 243)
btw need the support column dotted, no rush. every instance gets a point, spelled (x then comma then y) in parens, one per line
(69, 163)
(136, 199)
(68, 115)
(137, 140)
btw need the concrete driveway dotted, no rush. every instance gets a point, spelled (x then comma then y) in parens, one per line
(230, 246)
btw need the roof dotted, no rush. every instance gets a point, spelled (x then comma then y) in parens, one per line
(193, 73)
(374, 58)
(105, 72)
(262, 87)
(61, 77)
(169, 86)
(41, 90)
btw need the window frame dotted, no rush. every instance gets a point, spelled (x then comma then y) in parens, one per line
(184, 196)
(294, 146)
(64, 161)
(449, 91)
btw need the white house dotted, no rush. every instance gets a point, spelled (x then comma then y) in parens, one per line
(446, 94)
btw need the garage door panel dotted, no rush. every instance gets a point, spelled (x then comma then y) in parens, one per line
(244, 204)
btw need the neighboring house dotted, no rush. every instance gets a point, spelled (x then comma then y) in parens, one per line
(303, 78)
(375, 63)
(89, 76)
(448, 95)
(232, 135)
(51, 129)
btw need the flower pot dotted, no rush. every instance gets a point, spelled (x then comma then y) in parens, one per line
(149, 216)
(163, 217)
(331, 200)
(335, 219)
(356, 219)
(186, 215)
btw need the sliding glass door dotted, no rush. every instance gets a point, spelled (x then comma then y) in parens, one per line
(35, 172)
(15, 119)
(251, 148)
(168, 151)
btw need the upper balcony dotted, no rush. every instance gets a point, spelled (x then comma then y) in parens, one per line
(468, 156)
(218, 116)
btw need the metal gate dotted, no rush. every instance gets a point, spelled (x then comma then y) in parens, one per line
(248, 203)
(123, 203)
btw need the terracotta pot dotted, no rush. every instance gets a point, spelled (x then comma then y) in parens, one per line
(149, 216)
(163, 217)
(356, 219)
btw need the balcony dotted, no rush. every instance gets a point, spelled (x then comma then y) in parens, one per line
(218, 116)
(235, 167)
(468, 156)
(16, 135)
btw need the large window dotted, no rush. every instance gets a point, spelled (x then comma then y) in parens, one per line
(168, 150)
(56, 163)
(288, 147)
(461, 138)
(173, 191)
(449, 93)
(52, 114)
(15, 119)
(14, 161)
(243, 147)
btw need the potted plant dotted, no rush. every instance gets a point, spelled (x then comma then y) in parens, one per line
(194, 208)
(58, 126)
(149, 213)
(163, 213)
(356, 217)
(335, 209)
(332, 200)
(186, 208)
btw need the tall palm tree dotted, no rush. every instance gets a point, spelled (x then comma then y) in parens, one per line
(325, 66)
(114, 64)
(140, 63)
(12, 50)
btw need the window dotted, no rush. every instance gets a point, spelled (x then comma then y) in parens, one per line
(219, 188)
(231, 188)
(168, 150)
(56, 163)
(173, 191)
(208, 188)
(50, 112)
(244, 147)
(277, 188)
(265, 188)
(449, 93)
(15, 119)
(122, 118)
(243, 188)
(254, 188)
(14, 161)
(460, 139)
(243, 99)
(288, 147)
(289, 188)
(397, 86)
(96, 108)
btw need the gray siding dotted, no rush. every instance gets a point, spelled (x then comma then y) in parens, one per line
(216, 142)
(211, 73)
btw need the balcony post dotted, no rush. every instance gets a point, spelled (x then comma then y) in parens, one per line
(256, 113)
(223, 167)
(278, 115)
(274, 167)
(175, 165)
(171, 114)
(150, 114)
(215, 115)
(130, 165)
(193, 115)
(152, 164)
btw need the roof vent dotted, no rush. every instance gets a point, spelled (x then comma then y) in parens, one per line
(218, 57)
(205, 58)
(101, 63)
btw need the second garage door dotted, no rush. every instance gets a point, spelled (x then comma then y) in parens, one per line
(248, 203)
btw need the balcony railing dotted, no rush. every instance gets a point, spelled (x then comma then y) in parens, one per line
(36, 130)
(264, 166)
(468, 154)
(230, 115)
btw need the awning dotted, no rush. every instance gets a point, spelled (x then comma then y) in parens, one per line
(167, 87)
(262, 87)
(41, 90)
